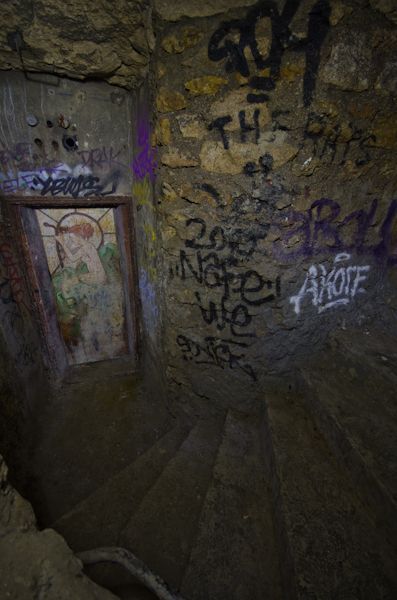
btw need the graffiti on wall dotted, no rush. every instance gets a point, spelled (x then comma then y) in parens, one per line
(145, 162)
(144, 170)
(26, 166)
(217, 265)
(216, 351)
(77, 186)
(334, 142)
(248, 130)
(321, 230)
(228, 293)
(338, 287)
(234, 39)
(100, 158)
(150, 310)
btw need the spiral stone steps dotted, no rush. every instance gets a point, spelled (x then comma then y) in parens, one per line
(351, 392)
(235, 555)
(331, 547)
(99, 519)
(236, 505)
(163, 528)
(93, 427)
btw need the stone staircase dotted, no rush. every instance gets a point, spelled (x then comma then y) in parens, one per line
(295, 503)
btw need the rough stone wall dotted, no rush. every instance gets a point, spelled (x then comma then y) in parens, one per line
(37, 564)
(21, 366)
(110, 39)
(11, 410)
(266, 217)
(277, 137)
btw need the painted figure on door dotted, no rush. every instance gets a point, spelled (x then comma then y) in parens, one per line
(87, 285)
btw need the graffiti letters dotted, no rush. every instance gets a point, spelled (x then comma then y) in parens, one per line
(12, 181)
(235, 39)
(336, 288)
(238, 289)
(27, 166)
(77, 186)
(100, 158)
(216, 351)
(333, 142)
(321, 229)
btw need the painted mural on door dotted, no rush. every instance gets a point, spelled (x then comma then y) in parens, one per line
(83, 259)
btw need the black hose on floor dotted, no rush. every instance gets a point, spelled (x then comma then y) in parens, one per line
(136, 567)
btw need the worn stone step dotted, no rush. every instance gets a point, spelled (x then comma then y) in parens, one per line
(331, 547)
(162, 530)
(351, 393)
(235, 554)
(370, 342)
(78, 452)
(98, 520)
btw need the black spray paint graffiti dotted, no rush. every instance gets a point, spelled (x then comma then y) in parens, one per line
(320, 230)
(249, 131)
(223, 44)
(79, 186)
(331, 142)
(238, 290)
(101, 158)
(233, 292)
(245, 127)
(216, 351)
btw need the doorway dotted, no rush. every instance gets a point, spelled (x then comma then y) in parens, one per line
(81, 271)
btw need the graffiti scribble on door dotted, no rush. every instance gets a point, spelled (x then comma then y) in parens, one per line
(83, 258)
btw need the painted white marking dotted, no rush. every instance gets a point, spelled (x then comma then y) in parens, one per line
(336, 288)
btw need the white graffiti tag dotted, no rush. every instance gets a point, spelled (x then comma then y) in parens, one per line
(331, 289)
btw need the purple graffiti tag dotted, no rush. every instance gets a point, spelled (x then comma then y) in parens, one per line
(145, 162)
(321, 230)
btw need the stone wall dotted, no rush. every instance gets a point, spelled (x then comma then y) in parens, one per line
(110, 40)
(277, 137)
(21, 365)
(264, 189)
(33, 563)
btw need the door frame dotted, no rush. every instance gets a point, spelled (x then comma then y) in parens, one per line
(52, 339)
